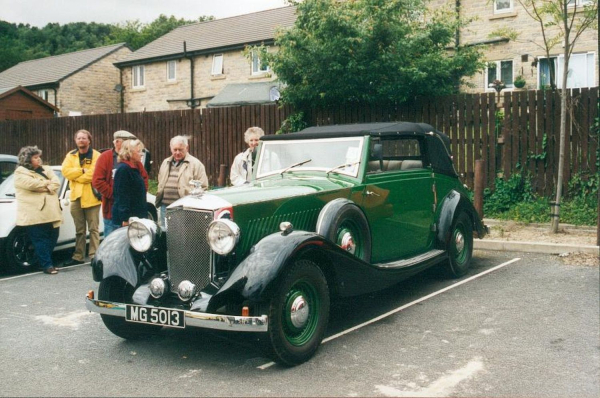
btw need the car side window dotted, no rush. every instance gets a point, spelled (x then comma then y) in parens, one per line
(396, 154)
(6, 169)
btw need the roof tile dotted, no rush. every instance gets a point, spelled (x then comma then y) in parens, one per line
(53, 69)
(216, 34)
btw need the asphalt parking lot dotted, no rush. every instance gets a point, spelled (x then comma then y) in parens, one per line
(517, 325)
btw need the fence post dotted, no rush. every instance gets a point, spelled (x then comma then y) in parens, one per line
(222, 175)
(598, 224)
(479, 185)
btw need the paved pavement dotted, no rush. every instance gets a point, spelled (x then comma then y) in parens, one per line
(533, 247)
(513, 327)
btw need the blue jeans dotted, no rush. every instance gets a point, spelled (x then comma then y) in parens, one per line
(108, 226)
(43, 237)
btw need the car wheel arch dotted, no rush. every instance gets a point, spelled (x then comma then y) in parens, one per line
(451, 207)
(340, 213)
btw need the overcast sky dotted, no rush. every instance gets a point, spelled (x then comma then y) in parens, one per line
(40, 12)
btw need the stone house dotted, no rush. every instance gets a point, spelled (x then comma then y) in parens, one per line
(509, 58)
(190, 65)
(78, 83)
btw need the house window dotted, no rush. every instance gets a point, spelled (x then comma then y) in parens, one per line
(217, 65)
(137, 75)
(581, 71)
(44, 94)
(501, 6)
(257, 67)
(500, 70)
(579, 3)
(171, 71)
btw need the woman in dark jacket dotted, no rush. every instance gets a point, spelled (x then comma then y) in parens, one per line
(129, 190)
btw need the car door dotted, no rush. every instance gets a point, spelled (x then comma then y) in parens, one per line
(398, 199)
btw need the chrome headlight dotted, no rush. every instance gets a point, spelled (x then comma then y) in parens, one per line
(142, 234)
(223, 235)
(158, 287)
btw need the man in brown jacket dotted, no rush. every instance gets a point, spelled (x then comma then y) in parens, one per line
(175, 175)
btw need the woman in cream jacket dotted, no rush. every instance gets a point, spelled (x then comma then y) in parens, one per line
(38, 208)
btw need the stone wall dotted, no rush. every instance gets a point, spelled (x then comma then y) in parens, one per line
(158, 94)
(486, 21)
(92, 90)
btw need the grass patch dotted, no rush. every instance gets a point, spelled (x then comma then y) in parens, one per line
(152, 186)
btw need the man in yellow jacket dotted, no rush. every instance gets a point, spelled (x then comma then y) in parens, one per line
(78, 168)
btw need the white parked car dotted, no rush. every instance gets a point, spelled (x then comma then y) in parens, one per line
(16, 250)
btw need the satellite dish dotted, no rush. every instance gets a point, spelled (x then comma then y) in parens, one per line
(274, 94)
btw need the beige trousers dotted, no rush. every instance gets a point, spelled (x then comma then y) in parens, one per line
(81, 217)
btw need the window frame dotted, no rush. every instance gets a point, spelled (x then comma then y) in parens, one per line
(256, 63)
(174, 78)
(511, 7)
(44, 94)
(499, 67)
(138, 78)
(214, 64)
(558, 65)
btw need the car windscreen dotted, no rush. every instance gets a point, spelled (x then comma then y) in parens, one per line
(337, 155)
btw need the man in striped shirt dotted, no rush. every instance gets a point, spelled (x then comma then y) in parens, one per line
(175, 175)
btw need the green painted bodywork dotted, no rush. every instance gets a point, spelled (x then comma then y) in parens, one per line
(399, 206)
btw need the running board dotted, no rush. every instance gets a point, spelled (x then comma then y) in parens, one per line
(413, 260)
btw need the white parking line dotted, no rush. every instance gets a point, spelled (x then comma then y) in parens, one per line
(39, 272)
(392, 312)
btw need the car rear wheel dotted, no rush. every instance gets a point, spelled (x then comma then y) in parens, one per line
(116, 289)
(298, 314)
(343, 223)
(19, 251)
(460, 246)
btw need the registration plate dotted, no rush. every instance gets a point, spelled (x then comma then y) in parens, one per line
(155, 316)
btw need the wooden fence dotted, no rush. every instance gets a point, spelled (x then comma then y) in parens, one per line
(527, 139)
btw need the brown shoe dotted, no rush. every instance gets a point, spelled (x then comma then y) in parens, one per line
(51, 271)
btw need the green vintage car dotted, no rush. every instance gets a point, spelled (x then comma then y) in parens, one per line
(331, 212)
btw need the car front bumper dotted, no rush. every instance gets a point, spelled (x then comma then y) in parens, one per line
(192, 318)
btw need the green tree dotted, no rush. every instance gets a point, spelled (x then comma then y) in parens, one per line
(21, 42)
(138, 34)
(561, 23)
(368, 52)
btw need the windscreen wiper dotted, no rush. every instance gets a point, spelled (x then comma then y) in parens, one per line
(295, 165)
(343, 165)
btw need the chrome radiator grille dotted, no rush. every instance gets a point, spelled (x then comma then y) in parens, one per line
(189, 255)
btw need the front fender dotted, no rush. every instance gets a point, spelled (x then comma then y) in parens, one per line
(114, 257)
(255, 277)
(451, 205)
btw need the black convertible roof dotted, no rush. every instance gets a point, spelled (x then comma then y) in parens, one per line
(350, 130)
(438, 142)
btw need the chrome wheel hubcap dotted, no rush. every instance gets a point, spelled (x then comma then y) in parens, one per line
(459, 242)
(299, 312)
(348, 243)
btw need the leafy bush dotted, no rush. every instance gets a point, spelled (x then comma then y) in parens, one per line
(515, 200)
(507, 194)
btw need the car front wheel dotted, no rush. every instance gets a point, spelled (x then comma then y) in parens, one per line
(118, 290)
(298, 314)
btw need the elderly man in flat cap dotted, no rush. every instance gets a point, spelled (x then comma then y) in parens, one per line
(103, 177)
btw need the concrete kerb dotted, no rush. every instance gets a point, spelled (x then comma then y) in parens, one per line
(535, 247)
